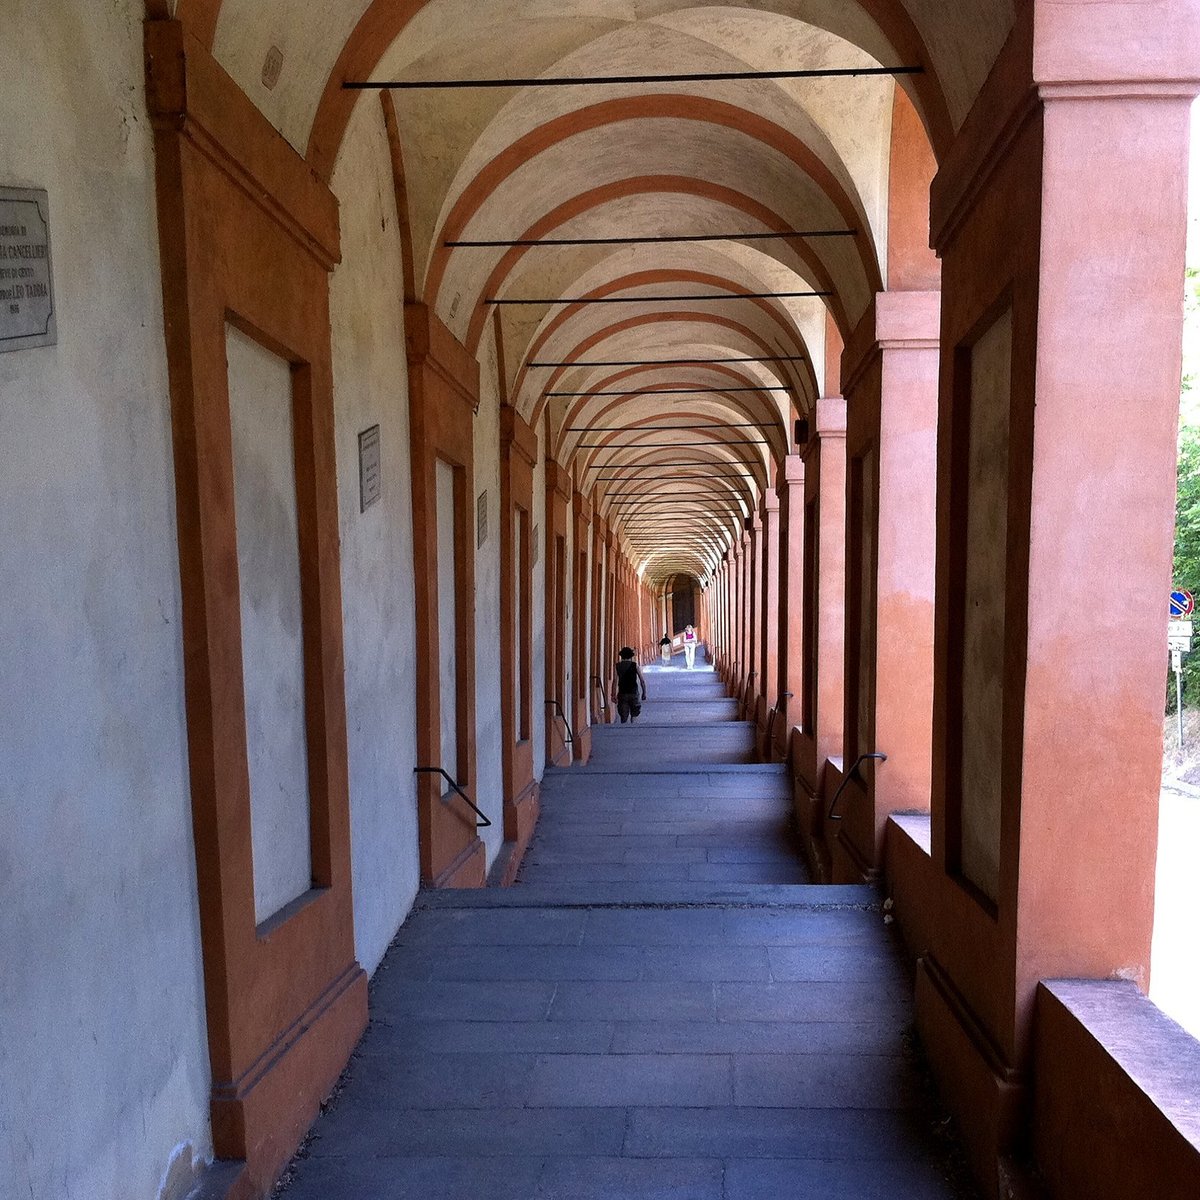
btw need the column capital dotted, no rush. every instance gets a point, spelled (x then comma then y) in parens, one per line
(769, 504)
(793, 472)
(831, 417)
(893, 321)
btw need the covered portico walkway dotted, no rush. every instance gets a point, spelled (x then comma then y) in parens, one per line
(660, 1008)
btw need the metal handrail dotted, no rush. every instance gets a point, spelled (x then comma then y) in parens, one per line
(558, 708)
(858, 762)
(779, 705)
(484, 821)
(599, 684)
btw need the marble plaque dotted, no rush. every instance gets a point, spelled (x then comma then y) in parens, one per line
(26, 281)
(370, 482)
(481, 530)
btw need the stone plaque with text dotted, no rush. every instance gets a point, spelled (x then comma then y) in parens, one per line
(370, 482)
(26, 281)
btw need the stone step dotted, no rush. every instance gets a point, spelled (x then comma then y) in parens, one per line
(812, 897)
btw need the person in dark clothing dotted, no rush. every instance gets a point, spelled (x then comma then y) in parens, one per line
(629, 686)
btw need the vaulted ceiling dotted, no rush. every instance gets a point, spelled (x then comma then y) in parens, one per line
(678, 402)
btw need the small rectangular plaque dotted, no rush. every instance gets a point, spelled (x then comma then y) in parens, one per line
(481, 519)
(370, 483)
(537, 546)
(26, 278)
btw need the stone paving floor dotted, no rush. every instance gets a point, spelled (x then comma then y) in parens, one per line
(660, 1008)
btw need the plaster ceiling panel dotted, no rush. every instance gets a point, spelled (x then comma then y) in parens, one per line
(310, 36)
(854, 114)
(963, 39)
(553, 270)
(679, 338)
(643, 49)
(780, 326)
(695, 150)
(727, 329)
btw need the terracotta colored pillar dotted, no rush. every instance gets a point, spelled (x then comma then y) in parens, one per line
(790, 489)
(753, 613)
(580, 684)
(769, 631)
(518, 456)
(737, 664)
(559, 486)
(596, 683)
(890, 374)
(1060, 216)
(824, 645)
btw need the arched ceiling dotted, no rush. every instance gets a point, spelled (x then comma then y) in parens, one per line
(677, 439)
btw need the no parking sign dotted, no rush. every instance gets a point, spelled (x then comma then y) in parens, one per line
(1183, 603)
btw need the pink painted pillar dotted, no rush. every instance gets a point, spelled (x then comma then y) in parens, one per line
(1060, 218)
(820, 736)
(790, 489)
(741, 557)
(753, 608)
(767, 688)
(890, 377)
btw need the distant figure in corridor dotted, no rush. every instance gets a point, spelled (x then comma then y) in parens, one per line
(664, 649)
(629, 686)
(689, 647)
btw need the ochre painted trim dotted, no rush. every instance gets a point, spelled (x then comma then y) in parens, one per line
(284, 1007)
(443, 398)
(189, 92)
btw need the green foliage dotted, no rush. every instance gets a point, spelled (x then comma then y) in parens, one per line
(1187, 502)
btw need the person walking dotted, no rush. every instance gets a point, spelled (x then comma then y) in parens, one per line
(690, 641)
(629, 687)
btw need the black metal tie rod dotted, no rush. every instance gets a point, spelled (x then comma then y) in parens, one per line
(675, 362)
(699, 298)
(411, 85)
(659, 239)
(692, 391)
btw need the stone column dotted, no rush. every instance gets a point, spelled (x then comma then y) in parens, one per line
(737, 664)
(890, 377)
(770, 632)
(790, 489)
(1060, 218)
(820, 737)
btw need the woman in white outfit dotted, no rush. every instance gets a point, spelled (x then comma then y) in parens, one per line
(689, 647)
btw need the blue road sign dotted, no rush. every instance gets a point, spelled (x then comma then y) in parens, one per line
(1182, 603)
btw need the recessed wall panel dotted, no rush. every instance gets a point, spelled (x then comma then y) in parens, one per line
(447, 615)
(986, 574)
(265, 505)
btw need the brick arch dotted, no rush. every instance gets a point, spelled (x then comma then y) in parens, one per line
(618, 190)
(739, 408)
(659, 106)
(386, 20)
(640, 279)
(611, 331)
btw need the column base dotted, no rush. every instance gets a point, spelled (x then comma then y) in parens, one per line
(520, 818)
(468, 870)
(973, 1078)
(271, 1108)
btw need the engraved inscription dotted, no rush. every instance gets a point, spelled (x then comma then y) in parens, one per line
(370, 482)
(481, 528)
(26, 280)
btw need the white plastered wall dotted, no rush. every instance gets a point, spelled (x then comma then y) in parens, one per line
(371, 387)
(489, 773)
(103, 1045)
